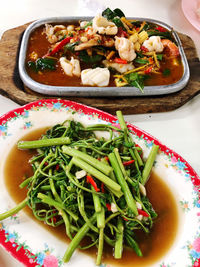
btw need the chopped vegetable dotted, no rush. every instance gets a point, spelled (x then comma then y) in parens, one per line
(57, 48)
(120, 61)
(136, 80)
(166, 72)
(42, 64)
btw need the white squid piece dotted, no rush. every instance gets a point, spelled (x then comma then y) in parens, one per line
(154, 43)
(72, 67)
(103, 26)
(95, 77)
(118, 67)
(51, 30)
(125, 48)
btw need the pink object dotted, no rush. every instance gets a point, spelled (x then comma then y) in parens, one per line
(189, 8)
(196, 244)
(50, 261)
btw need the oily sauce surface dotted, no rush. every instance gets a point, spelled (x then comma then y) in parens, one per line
(153, 245)
(39, 44)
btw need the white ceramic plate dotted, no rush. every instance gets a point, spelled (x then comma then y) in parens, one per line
(189, 8)
(34, 246)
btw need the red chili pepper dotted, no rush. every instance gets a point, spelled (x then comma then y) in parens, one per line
(120, 60)
(102, 188)
(122, 33)
(59, 46)
(144, 49)
(139, 151)
(57, 167)
(143, 213)
(160, 29)
(46, 163)
(127, 163)
(106, 158)
(148, 70)
(125, 219)
(108, 206)
(91, 181)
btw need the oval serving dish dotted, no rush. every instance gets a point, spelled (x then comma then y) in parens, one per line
(44, 249)
(97, 91)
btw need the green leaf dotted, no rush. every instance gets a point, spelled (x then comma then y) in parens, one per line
(146, 27)
(166, 72)
(70, 46)
(141, 61)
(136, 80)
(42, 64)
(89, 59)
(88, 24)
(118, 23)
(114, 16)
(133, 244)
(108, 13)
(136, 23)
(118, 12)
(159, 56)
(167, 35)
(139, 54)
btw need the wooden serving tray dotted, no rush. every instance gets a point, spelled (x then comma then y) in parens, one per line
(12, 87)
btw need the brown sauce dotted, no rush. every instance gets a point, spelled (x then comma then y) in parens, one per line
(153, 245)
(39, 44)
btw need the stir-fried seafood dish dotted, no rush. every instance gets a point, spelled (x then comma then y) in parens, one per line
(109, 50)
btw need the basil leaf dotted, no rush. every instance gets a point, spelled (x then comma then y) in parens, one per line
(141, 61)
(167, 35)
(89, 59)
(146, 27)
(118, 23)
(42, 64)
(136, 23)
(159, 56)
(139, 54)
(166, 72)
(136, 80)
(70, 46)
(108, 13)
(118, 12)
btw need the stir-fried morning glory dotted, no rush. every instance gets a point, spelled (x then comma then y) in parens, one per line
(94, 186)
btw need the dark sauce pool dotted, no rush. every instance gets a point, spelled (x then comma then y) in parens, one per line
(153, 245)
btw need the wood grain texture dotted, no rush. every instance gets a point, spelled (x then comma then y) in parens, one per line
(12, 87)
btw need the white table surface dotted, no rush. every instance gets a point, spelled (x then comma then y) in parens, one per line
(179, 129)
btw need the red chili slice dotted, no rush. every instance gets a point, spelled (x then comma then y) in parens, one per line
(58, 46)
(108, 206)
(143, 213)
(161, 29)
(120, 61)
(57, 167)
(144, 49)
(91, 181)
(148, 70)
(127, 163)
(102, 188)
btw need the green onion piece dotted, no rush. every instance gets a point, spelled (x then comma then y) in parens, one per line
(149, 164)
(89, 159)
(119, 239)
(99, 175)
(43, 143)
(77, 239)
